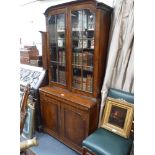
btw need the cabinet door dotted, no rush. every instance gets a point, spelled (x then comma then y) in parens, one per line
(50, 110)
(74, 125)
(56, 28)
(82, 35)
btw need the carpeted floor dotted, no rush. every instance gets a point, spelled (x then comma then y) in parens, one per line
(50, 146)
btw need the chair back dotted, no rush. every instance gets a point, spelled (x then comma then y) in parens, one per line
(119, 94)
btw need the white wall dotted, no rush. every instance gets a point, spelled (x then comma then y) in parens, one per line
(32, 19)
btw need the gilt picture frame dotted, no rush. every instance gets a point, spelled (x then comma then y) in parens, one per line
(118, 116)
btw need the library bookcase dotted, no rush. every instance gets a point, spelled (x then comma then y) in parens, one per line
(75, 47)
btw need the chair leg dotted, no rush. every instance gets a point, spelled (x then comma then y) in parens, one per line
(86, 151)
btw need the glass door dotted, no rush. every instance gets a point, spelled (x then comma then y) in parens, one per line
(82, 27)
(56, 30)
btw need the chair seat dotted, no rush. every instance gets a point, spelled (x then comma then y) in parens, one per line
(104, 142)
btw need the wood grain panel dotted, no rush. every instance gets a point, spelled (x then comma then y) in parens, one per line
(74, 126)
(50, 114)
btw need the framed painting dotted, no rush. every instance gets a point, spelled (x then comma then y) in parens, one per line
(118, 116)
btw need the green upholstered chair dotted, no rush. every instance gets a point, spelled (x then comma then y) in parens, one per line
(104, 142)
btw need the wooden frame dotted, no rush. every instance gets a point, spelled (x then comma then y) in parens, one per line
(118, 116)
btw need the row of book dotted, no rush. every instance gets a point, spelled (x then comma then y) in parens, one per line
(85, 58)
(60, 76)
(83, 43)
(62, 57)
(85, 83)
(83, 68)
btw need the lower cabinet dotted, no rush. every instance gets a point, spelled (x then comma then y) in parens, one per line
(50, 111)
(68, 117)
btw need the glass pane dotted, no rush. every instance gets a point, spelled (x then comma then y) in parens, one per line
(77, 56)
(61, 34)
(60, 26)
(87, 81)
(53, 51)
(88, 20)
(61, 74)
(61, 43)
(61, 55)
(89, 34)
(77, 80)
(56, 31)
(54, 71)
(77, 44)
(77, 34)
(87, 59)
(60, 22)
(83, 25)
(52, 28)
(76, 18)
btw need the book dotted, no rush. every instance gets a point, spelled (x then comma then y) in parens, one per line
(63, 57)
(89, 83)
(84, 84)
(79, 58)
(60, 56)
(77, 82)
